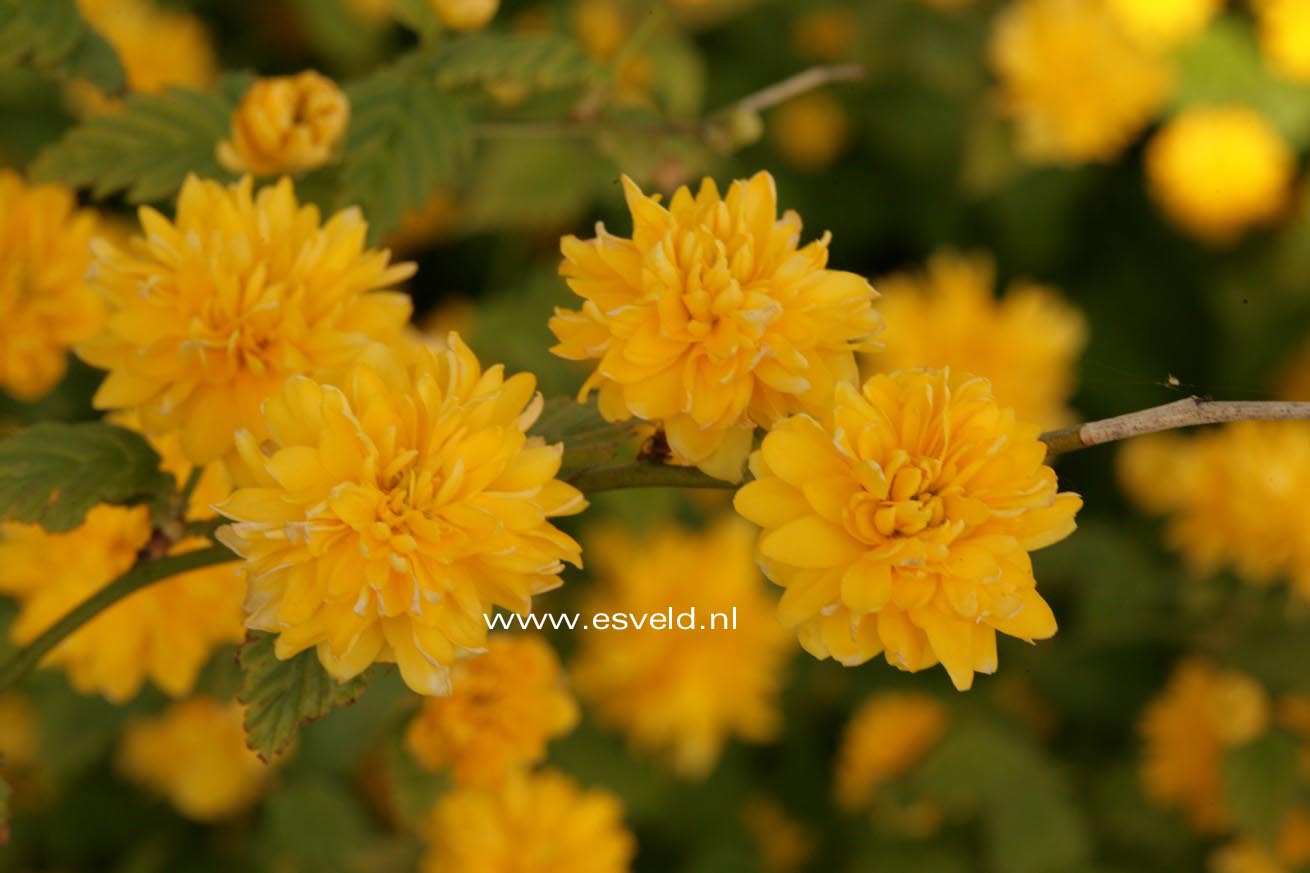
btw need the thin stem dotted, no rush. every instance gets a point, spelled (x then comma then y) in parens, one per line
(794, 86)
(143, 574)
(1183, 413)
(189, 487)
(644, 474)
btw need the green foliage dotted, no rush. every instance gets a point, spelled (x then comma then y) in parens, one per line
(280, 696)
(314, 825)
(405, 139)
(148, 148)
(1030, 821)
(51, 36)
(1260, 783)
(52, 474)
(589, 440)
(535, 62)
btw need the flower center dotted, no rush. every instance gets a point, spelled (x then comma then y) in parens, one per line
(897, 500)
(724, 308)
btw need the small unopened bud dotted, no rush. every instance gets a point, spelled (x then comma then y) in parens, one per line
(734, 129)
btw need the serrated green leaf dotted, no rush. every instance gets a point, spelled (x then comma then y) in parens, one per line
(419, 17)
(147, 148)
(534, 61)
(51, 36)
(1260, 784)
(280, 696)
(51, 474)
(405, 139)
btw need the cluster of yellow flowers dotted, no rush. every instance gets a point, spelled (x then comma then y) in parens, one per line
(683, 692)
(1188, 730)
(1234, 497)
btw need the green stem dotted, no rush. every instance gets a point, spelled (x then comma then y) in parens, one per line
(141, 575)
(644, 474)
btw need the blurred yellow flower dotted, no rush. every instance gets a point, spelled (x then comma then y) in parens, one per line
(1294, 838)
(1216, 171)
(194, 755)
(158, 47)
(385, 517)
(537, 823)
(1163, 24)
(1246, 856)
(286, 124)
(887, 736)
(716, 675)
(811, 131)
(1026, 344)
(1202, 712)
(45, 304)
(20, 746)
(902, 521)
(210, 313)
(711, 320)
(784, 845)
(164, 632)
(505, 705)
(828, 33)
(603, 28)
(1285, 36)
(1078, 88)
(420, 228)
(1292, 381)
(465, 14)
(1234, 496)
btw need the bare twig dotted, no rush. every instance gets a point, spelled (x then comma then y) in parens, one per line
(794, 86)
(1183, 413)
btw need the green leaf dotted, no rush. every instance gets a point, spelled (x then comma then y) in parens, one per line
(148, 148)
(280, 696)
(52, 474)
(1224, 66)
(51, 36)
(534, 61)
(1260, 784)
(419, 17)
(314, 825)
(405, 139)
(1029, 820)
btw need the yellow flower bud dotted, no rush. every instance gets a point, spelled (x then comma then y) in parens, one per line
(286, 124)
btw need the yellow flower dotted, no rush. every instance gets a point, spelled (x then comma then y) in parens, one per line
(504, 706)
(1294, 838)
(194, 754)
(1285, 37)
(158, 48)
(1245, 856)
(825, 34)
(1186, 730)
(1078, 88)
(888, 735)
(1163, 24)
(684, 691)
(1219, 170)
(388, 515)
(538, 823)
(902, 521)
(784, 844)
(711, 320)
(420, 228)
(163, 633)
(465, 14)
(286, 124)
(1234, 496)
(20, 745)
(811, 131)
(45, 303)
(211, 313)
(1026, 344)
